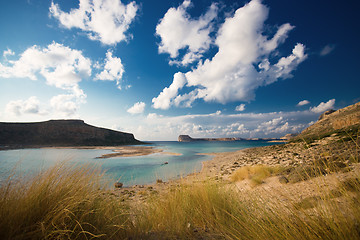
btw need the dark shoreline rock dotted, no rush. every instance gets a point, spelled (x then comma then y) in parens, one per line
(60, 133)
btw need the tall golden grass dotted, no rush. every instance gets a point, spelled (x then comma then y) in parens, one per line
(256, 173)
(64, 202)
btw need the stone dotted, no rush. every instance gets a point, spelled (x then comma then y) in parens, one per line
(118, 185)
(283, 179)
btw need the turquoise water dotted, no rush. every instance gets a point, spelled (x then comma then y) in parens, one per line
(129, 170)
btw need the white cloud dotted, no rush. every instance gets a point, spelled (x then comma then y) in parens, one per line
(327, 49)
(113, 69)
(64, 105)
(276, 125)
(217, 124)
(8, 52)
(303, 102)
(178, 30)
(231, 74)
(240, 108)
(61, 66)
(138, 107)
(164, 100)
(322, 107)
(104, 20)
(21, 107)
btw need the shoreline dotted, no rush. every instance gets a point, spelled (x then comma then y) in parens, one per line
(118, 151)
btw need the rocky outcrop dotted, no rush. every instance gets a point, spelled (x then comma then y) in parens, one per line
(328, 112)
(288, 136)
(60, 133)
(187, 138)
(345, 119)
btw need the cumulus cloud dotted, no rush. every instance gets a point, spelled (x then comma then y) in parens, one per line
(138, 107)
(64, 105)
(106, 21)
(20, 107)
(327, 49)
(242, 63)
(322, 107)
(166, 97)
(240, 108)
(61, 66)
(303, 102)
(276, 125)
(113, 69)
(178, 30)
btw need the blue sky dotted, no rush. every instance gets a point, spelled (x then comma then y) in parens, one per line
(159, 69)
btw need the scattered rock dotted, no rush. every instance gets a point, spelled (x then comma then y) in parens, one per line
(283, 180)
(118, 185)
(159, 181)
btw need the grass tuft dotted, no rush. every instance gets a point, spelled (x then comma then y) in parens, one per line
(64, 202)
(256, 173)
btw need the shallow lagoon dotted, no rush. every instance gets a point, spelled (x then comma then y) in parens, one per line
(129, 170)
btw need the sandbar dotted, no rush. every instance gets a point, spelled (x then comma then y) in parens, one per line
(133, 151)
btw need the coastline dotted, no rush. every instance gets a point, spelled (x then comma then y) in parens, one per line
(220, 168)
(118, 151)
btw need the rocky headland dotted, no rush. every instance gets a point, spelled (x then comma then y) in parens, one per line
(187, 138)
(60, 133)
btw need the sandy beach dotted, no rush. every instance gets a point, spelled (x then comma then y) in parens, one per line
(123, 151)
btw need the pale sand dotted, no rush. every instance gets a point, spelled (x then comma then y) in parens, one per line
(123, 151)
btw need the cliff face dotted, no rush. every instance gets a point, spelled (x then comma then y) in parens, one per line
(345, 119)
(61, 133)
(187, 138)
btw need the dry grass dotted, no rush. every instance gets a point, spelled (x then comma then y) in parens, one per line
(61, 203)
(69, 203)
(256, 173)
(211, 211)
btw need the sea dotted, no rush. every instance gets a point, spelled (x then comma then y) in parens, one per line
(130, 171)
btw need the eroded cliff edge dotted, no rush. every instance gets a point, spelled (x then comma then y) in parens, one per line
(60, 133)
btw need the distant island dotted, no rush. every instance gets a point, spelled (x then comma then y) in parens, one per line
(187, 138)
(60, 133)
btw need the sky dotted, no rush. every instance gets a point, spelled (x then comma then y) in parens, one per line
(159, 69)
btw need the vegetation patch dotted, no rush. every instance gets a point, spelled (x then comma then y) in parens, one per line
(71, 203)
(64, 202)
(256, 173)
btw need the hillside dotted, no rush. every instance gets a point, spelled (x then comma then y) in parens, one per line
(60, 133)
(345, 121)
